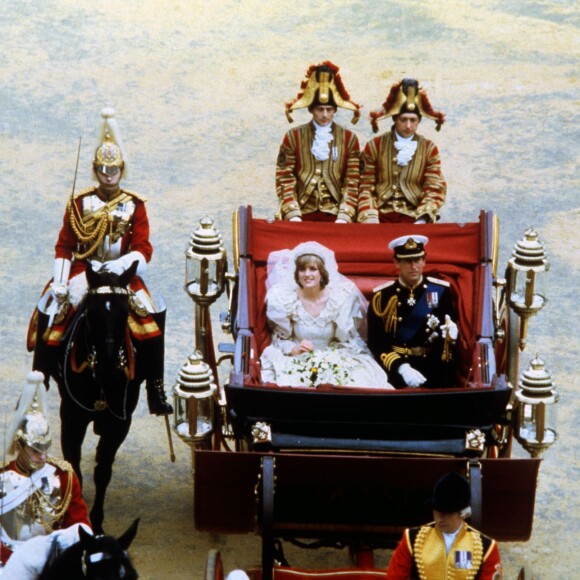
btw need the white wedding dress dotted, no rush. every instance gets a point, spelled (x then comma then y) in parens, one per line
(340, 355)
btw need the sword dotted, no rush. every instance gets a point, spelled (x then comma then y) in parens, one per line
(170, 440)
(72, 193)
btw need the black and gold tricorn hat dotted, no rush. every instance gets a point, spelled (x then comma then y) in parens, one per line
(323, 86)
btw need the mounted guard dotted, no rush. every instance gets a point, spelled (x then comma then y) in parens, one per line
(107, 227)
(40, 496)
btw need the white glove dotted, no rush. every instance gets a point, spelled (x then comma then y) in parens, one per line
(60, 274)
(70, 535)
(449, 327)
(61, 271)
(295, 219)
(340, 221)
(123, 263)
(421, 220)
(412, 377)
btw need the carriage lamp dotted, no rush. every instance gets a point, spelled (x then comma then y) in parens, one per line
(205, 264)
(205, 280)
(526, 283)
(536, 398)
(193, 402)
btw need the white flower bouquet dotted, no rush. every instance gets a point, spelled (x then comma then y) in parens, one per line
(328, 366)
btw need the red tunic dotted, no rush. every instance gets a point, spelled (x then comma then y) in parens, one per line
(299, 174)
(403, 562)
(388, 189)
(136, 237)
(76, 512)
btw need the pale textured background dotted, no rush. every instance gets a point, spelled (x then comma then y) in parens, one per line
(199, 89)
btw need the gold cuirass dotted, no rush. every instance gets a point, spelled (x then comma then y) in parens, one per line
(39, 511)
(120, 212)
(461, 563)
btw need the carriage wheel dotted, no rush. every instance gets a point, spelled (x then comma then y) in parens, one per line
(526, 573)
(214, 569)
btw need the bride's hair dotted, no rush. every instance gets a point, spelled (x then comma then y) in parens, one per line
(305, 260)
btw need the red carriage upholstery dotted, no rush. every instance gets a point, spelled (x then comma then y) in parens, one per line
(342, 573)
(454, 254)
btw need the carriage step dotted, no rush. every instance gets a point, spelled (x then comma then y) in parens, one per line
(227, 347)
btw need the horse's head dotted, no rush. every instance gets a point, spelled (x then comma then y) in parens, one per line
(107, 310)
(106, 558)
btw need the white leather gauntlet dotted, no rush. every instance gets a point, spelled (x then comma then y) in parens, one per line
(412, 377)
(123, 263)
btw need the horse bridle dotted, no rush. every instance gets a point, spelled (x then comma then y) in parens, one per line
(88, 559)
(110, 290)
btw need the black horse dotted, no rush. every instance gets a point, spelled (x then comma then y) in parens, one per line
(99, 372)
(93, 558)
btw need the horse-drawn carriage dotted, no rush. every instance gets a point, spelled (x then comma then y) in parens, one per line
(355, 465)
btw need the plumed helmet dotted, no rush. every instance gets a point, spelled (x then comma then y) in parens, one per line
(29, 423)
(409, 246)
(34, 431)
(407, 97)
(110, 154)
(323, 86)
(451, 493)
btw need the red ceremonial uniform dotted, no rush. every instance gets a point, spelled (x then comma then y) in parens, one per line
(421, 554)
(59, 492)
(129, 225)
(306, 185)
(391, 192)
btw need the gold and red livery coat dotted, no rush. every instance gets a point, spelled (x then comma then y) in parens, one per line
(409, 191)
(421, 554)
(299, 174)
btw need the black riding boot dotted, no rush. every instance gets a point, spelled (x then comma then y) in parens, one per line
(156, 398)
(154, 352)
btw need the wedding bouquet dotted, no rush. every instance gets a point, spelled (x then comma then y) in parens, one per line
(322, 367)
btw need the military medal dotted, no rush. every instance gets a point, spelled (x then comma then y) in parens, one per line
(411, 300)
(432, 299)
(463, 560)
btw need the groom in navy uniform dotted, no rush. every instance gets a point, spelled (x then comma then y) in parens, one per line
(411, 328)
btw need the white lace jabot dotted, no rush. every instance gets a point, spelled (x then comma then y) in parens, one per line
(406, 148)
(322, 137)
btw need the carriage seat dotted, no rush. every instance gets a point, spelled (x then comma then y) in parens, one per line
(367, 284)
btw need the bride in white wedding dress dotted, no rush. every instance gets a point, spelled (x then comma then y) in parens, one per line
(314, 314)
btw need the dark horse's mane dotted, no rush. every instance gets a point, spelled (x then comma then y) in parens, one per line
(93, 558)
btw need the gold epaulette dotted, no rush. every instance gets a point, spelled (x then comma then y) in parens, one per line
(137, 195)
(383, 286)
(438, 281)
(85, 191)
(62, 464)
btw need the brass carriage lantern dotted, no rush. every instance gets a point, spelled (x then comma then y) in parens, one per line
(205, 264)
(205, 280)
(193, 402)
(526, 283)
(536, 412)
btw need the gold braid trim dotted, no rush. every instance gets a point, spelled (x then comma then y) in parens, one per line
(389, 314)
(388, 358)
(42, 507)
(88, 235)
(91, 229)
(476, 551)
(418, 551)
